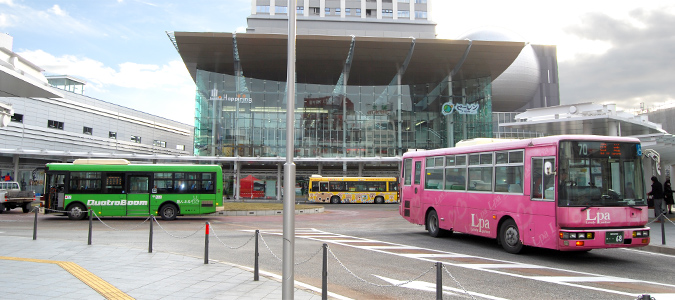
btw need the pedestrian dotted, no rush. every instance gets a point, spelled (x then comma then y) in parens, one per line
(668, 195)
(657, 195)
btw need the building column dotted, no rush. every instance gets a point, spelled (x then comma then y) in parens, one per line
(399, 138)
(15, 160)
(320, 168)
(450, 119)
(588, 129)
(612, 128)
(236, 180)
(360, 169)
(279, 182)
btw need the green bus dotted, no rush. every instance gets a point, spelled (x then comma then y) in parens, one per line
(114, 187)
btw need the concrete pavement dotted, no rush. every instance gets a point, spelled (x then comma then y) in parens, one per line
(50, 268)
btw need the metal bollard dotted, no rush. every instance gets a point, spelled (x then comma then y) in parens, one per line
(439, 280)
(35, 224)
(206, 244)
(663, 229)
(256, 270)
(91, 213)
(324, 273)
(152, 218)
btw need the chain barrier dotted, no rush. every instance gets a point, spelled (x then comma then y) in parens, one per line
(459, 284)
(268, 248)
(279, 259)
(310, 258)
(178, 237)
(116, 229)
(58, 211)
(375, 284)
(233, 248)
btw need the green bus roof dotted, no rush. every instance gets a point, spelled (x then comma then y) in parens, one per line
(133, 167)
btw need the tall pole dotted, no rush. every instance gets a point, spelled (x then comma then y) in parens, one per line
(288, 278)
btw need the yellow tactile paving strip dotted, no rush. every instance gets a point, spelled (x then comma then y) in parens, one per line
(104, 288)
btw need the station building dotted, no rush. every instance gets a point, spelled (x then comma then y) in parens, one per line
(372, 81)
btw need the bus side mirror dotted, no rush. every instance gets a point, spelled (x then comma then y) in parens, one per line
(548, 169)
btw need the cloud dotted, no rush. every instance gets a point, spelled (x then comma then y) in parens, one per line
(137, 86)
(56, 10)
(5, 21)
(31, 19)
(638, 67)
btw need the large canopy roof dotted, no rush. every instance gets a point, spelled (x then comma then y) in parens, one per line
(321, 59)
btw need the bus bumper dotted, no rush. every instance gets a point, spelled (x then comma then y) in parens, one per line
(582, 240)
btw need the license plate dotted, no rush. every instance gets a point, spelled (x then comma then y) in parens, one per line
(614, 237)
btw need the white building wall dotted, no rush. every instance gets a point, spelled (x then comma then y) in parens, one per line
(76, 112)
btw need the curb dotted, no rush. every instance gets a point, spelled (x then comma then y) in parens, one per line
(663, 249)
(265, 212)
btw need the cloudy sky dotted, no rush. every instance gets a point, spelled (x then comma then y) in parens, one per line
(617, 51)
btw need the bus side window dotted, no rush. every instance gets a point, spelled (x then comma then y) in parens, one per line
(315, 186)
(323, 186)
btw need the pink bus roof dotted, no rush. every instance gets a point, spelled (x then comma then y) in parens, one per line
(519, 144)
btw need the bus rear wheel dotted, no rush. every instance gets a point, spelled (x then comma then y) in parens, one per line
(379, 200)
(335, 200)
(433, 226)
(76, 212)
(509, 237)
(168, 212)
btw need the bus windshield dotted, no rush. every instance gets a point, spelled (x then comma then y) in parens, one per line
(600, 174)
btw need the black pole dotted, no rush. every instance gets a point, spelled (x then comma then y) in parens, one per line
(324, 273)
(206, 245)
(35, 224)
(663, 229)
(256, 275)
(439, 280)
(152, 218)
(91, 212)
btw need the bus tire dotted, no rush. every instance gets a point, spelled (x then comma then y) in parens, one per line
(335, 200)
(76, 211)
(509, 237)
(26, 207)
(379, 200)
(168, 212)
(2, 208)
(433, 226)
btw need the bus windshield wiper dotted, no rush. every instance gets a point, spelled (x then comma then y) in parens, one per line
(634, 206)
(585, 208)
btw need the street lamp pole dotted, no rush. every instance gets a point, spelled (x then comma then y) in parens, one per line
(288, 277)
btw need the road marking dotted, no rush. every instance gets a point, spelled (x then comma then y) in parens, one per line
(431, 287)
(590, 281)
(104, 288)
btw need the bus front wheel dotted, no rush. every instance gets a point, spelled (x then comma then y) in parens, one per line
(168, 212)
(379, 200)
(76, 212)
(509, 237)
(335, 200)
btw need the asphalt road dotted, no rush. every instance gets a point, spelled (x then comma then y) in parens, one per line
(373, 253)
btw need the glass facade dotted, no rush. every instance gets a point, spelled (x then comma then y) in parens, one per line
(239, 116)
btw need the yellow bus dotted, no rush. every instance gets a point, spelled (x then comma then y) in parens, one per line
(353, 189)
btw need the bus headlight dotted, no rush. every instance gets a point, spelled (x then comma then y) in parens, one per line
(577, 235)
(641, 233)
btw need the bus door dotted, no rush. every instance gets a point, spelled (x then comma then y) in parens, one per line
(55, 191)
(138, 196)
(541, 224)
(411, 190)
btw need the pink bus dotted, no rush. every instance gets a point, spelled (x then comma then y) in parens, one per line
(568, 192)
